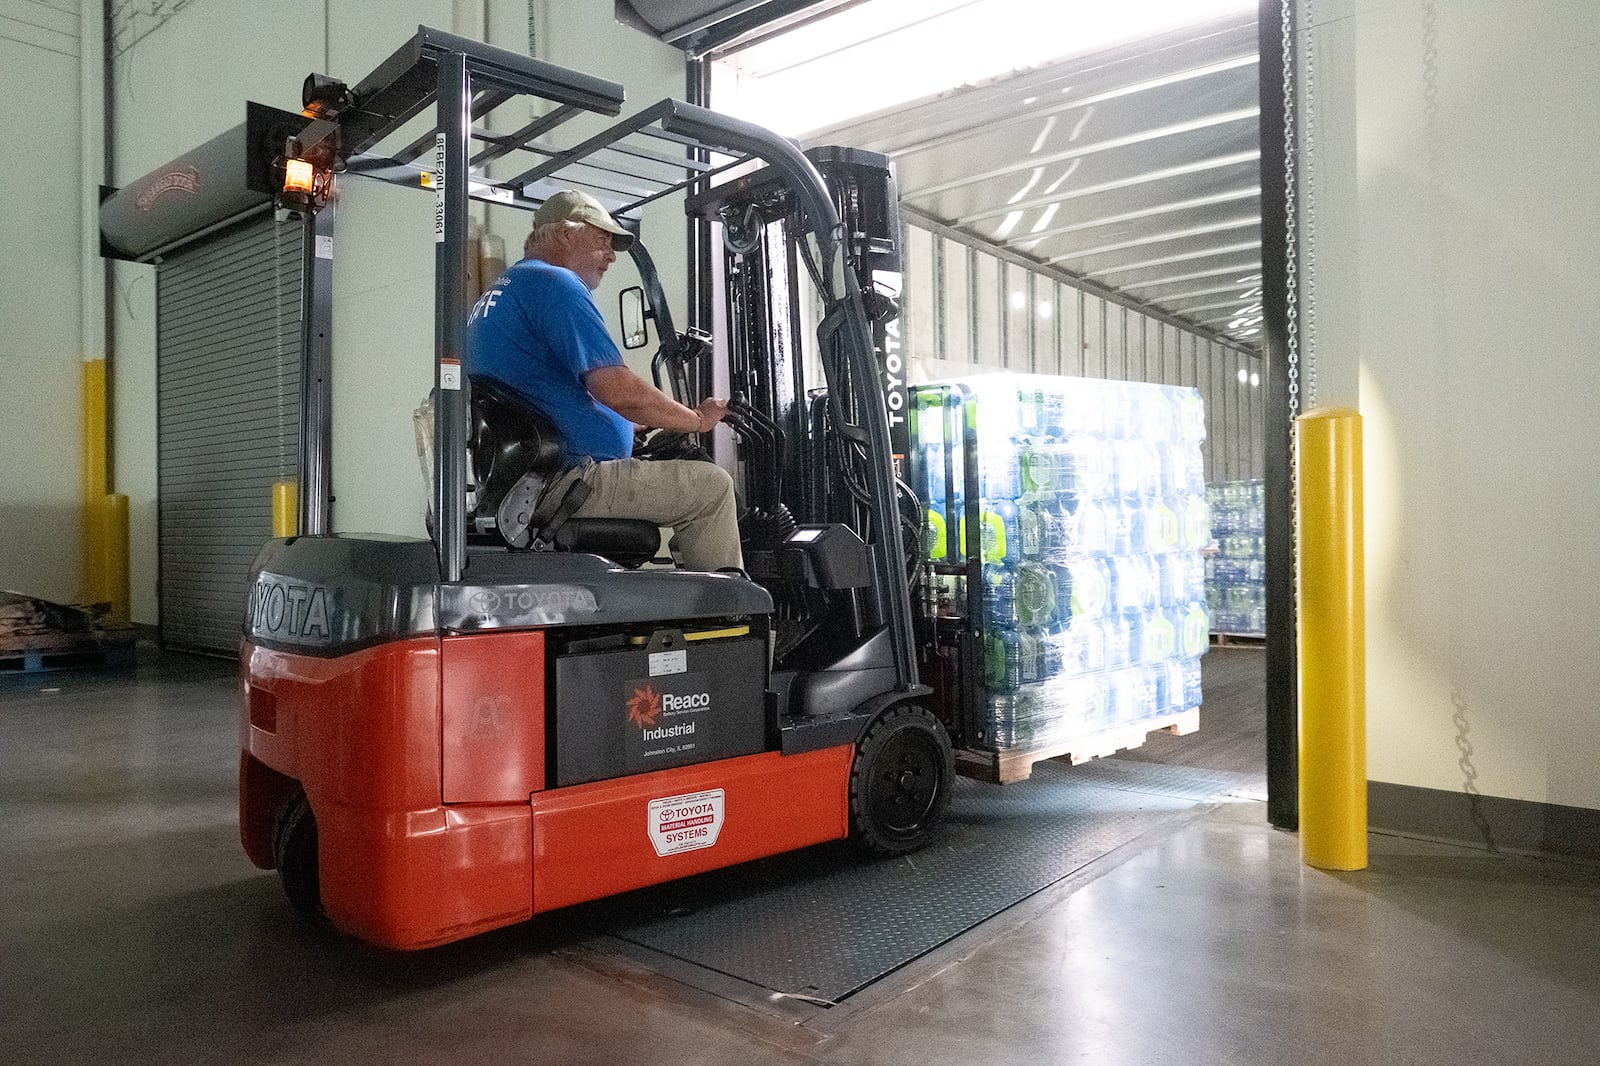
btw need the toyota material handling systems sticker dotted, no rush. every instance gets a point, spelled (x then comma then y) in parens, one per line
(685, 823)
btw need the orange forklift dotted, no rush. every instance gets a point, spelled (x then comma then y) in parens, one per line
(519, 713)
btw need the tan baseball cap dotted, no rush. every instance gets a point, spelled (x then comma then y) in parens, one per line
(576, 206)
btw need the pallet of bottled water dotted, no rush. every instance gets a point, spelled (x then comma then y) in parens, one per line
(1236, 572)
(1092, 516)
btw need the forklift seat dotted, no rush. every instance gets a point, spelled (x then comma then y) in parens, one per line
(514, 451)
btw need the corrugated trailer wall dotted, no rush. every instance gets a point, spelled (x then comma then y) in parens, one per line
(964, 309)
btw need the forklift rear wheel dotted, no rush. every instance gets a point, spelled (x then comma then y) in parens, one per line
(901, 781)
(296, 849)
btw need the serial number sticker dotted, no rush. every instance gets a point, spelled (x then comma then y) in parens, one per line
(669, 662)
(438, 184)
(685, 823)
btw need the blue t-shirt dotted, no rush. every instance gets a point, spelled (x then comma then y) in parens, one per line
(537, 329)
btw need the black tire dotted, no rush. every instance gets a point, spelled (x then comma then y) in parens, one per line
(295, 846)
(900, 782)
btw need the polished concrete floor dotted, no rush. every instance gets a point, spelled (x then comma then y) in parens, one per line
(132, 929)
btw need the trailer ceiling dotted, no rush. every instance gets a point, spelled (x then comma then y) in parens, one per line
(1135, 168)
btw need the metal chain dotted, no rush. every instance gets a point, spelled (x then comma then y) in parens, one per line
(1291, 234)
(1292, 301)
(1308, 239)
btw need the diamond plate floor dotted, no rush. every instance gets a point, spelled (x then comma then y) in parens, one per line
(825, 923)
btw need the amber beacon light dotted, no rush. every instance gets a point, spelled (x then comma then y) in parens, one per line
(298, 177)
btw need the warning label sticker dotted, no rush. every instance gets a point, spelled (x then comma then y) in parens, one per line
(685, 823)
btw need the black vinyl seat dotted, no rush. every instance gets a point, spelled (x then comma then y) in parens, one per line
(514, 452)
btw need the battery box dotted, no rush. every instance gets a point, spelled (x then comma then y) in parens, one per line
(673, 702)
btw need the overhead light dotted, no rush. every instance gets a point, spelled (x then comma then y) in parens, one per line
(1018, 301)
(299, 176)
(1044, 309)
(1244, 375)
(1255, 379)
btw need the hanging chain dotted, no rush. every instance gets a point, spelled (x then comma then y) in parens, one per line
(1308, 210)
(1291, 290)
(1291, 234)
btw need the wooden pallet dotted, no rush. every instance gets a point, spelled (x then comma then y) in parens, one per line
(89, 657)
(1238, 640)
(1009, 767)
(37, 635)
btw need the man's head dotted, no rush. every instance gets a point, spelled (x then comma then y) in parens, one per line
(571, 229)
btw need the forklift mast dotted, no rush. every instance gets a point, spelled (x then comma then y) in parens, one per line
(782, 216)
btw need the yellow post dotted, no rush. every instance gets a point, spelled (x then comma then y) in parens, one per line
(92, 545)
(111, 564)
(285, 508)
(1332, 653)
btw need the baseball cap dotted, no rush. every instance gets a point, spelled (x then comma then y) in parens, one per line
(576, 206)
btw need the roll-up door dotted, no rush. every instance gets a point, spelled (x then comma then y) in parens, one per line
(228, 403)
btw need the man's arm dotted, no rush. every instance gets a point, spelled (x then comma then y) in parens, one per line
(635, 399)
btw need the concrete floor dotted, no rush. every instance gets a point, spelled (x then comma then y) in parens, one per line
(132, 929)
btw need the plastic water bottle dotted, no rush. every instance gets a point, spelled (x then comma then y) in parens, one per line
(1119, 527)
(1035, 595)
(999, 725)
(1191, 684)
(1172, 686)
(1119, 698)
(1083, 589)
(1048, 466)
(1159, 637)
(1161, 526)
(1084, 648)
(1091, 465)
(1003, 667)
(1002, 533)
(1196, 636)
(1146, 692)
(1032, 525)
(1000, 596)
(1196, 523)
(1052, 658)
(1119, 641)
(1056, 420)
(1000, 472)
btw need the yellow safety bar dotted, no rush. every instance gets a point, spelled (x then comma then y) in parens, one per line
(285, 508)
(105, 515)
(1332, 652)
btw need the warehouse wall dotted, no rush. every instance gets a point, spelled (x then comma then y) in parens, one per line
(41, 477)
(1471, 254)
(383, 328)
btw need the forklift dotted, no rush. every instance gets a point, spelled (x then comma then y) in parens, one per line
(521, 712)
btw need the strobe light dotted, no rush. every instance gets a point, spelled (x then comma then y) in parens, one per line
(299, 177)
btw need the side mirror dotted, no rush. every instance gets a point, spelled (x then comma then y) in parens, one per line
(630, 304)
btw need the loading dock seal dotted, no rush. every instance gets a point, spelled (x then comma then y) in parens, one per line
(685, 823)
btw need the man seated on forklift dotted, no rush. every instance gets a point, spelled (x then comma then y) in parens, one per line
(537, 330)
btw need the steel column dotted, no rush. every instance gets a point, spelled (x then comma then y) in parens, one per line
(315, 487)
(1275, 25)
(450, 316)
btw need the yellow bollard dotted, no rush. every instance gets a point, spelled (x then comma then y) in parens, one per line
(285, 508)
(113, 554)
(1332, 652)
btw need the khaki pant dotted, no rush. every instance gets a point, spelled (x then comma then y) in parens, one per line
(694, 498)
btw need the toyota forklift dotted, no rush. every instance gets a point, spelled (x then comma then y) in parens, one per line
(522, 711)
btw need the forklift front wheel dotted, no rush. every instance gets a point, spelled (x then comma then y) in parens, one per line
(295, 846)
(900, 783)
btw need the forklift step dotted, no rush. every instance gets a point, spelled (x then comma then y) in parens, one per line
(1013, 765)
